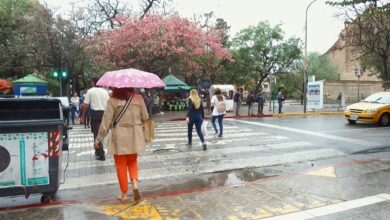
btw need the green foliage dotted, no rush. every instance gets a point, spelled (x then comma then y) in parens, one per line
(385, 7)
(260, 51)
(53, 86)
(318, 65)
(13, 17)
(321, 67)
(368, 34)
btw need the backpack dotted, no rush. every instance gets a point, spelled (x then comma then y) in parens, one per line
(249, 99)
(221, 106)
(236, 97)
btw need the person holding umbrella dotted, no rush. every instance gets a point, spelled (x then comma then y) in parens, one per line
(124, 115)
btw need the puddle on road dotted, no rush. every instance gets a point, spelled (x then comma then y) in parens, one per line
(227, 178)
(166, 151)
(239, 176)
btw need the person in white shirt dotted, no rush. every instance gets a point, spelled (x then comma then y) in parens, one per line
(96, 98)
(219, 110)
(74, 106)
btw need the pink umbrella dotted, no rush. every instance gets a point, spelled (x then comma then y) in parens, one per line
(130, 78)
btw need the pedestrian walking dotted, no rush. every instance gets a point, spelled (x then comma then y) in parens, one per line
(74, 106)
(281, 98)
(195, 115)
(85, 113)
(127, 137)
(339, 97)
(250, 99)
(237, 100)
(260, 103)
(156, 101)
(149, 103)
(219, 110)
(96, 98)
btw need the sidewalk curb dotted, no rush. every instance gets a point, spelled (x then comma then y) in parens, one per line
(308, 114)
(270, 115)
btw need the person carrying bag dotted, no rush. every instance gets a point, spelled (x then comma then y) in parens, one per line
(127, 138)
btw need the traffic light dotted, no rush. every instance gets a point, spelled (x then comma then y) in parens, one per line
(57, 74)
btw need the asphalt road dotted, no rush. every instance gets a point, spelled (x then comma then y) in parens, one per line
(331, 131)
(252, 150)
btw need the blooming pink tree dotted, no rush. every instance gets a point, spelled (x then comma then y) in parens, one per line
(158, 44)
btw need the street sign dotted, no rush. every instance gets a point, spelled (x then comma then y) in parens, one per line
(315, 93)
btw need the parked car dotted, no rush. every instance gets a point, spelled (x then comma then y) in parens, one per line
(375, 108)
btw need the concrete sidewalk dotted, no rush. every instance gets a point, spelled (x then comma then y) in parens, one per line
(340, 188)
(290, 108)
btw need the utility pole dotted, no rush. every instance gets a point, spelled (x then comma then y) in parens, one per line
(306, 64)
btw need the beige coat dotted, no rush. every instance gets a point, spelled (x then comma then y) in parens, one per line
(127, 136)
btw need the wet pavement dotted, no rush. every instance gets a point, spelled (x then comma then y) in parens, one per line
(256, 173)
(342, 188)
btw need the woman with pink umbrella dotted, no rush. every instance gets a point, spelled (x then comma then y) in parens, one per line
(124, 115)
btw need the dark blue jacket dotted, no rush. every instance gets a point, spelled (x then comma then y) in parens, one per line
(192, 111)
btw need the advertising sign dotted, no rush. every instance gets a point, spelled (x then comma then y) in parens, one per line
(26, 159)
(24, 90)
(315, 91)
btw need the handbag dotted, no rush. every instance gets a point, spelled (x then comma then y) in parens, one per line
(106, 139)
(149, 130)
(203, 128)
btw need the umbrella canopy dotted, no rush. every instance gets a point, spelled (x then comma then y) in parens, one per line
(174, 84)
(130, 78)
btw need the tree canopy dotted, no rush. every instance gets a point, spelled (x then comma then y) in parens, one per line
(367, 32)
(261, 50)
(159, 45)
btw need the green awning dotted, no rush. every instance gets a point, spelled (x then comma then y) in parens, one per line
(177, 88)
(173, 84)
(30, 79)
(171, 80)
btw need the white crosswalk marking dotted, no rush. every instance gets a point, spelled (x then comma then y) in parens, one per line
(241, 147)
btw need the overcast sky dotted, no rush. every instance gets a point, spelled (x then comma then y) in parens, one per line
(323, 24)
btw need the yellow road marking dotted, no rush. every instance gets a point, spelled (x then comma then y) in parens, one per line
(144, 210)
(327, 172)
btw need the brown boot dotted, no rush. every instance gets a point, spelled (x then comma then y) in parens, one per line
(137, 196)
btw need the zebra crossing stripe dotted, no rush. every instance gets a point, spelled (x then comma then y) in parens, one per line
(235, 135)
(184, 133)
(203, 168)
(328, 136)
(211, 154)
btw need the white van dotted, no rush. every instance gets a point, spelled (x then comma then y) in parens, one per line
(227, 91)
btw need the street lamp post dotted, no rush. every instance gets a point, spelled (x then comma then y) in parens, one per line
(270, 93)
(358, 73)
(305, 65)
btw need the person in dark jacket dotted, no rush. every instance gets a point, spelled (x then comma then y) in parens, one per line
(195, 115)
(260, 103)
(237, 101)
(149, 103)
(281, 98)
(250, 99)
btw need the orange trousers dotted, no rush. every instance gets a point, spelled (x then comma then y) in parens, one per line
(126, 163)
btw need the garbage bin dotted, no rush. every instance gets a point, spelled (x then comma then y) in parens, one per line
(31, 138)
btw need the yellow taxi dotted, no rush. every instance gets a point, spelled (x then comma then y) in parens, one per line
(375, 108)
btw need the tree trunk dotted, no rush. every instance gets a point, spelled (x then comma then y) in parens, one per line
(386, 72)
